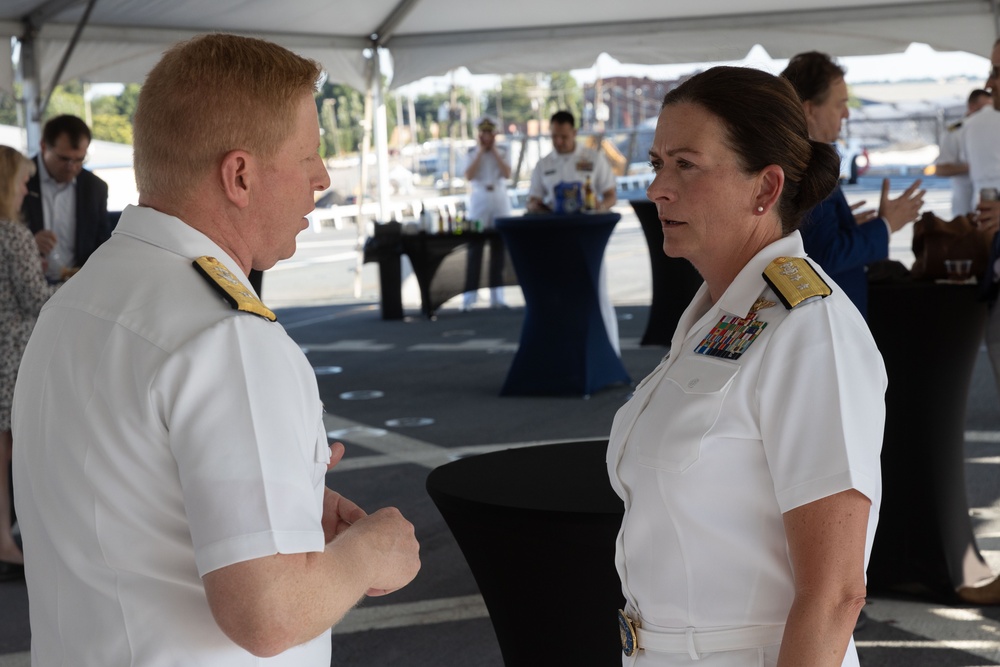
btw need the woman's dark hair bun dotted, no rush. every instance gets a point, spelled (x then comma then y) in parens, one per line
(820, 176)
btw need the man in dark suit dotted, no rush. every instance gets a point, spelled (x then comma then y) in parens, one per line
(67, 206)
(842, 242)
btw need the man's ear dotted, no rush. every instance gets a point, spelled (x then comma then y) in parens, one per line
(235, 171)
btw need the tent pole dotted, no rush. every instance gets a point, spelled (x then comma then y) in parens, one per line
(363, 188)
(31, 75)
(66, 55)
(31, 90)
(381, 135)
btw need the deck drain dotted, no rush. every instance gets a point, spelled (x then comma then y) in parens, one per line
(409, 421)
(361, 395)
(356, 431)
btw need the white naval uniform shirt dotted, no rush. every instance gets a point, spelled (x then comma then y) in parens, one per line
(488, 198)
(171, 435)
(557, 168)
(980, 138)
(962, 200)
(709, 453)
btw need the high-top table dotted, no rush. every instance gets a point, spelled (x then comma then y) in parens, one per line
(929, 335)
(674, 279)
(537, 526)
(564, 347)
(440, 264)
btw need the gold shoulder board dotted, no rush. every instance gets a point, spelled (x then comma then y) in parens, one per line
(795, 281)
(230, 287)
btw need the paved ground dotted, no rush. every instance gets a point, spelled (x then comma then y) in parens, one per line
(410, 395)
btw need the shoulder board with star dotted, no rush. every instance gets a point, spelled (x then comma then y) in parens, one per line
(795, 281)
(231, 288)
(955, 126)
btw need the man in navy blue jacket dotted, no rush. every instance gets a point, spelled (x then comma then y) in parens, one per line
(842, 242)
(67, 205)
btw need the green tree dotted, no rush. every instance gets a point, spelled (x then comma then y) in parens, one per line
(8, 109)
(66, 99)
(564, 94)
(112, 127)
(127, 101)
(515, 100)
(105, 105)
(342, 131)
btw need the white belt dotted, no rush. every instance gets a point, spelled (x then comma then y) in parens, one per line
(694, 642)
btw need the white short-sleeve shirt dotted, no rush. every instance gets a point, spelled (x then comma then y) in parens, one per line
(488, 197)
(962, 200)
(710, 452)
(980, 138)
(171, 435)
(571, 167)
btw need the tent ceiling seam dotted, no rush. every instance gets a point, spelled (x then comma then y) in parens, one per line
(41, 14)
(141, 35)
(723, 22)
(398, 13)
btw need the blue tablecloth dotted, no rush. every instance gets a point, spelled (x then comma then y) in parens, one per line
(564, 348)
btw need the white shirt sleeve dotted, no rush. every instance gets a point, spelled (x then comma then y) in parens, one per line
(537, 187)
(950, 147)
(824, 413)
(245, 426)
(604, 177)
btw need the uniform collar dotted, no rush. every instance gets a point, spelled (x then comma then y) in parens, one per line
(174, 235)
(568, 156)
(749, 283)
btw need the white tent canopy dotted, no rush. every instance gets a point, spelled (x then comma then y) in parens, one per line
(119, 40)
(123, 38)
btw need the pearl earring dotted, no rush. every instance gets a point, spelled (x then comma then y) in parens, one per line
(760, 209)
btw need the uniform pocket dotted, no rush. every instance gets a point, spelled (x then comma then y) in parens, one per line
(692, 394)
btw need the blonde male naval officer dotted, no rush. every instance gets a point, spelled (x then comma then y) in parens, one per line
(571, 162)
(951, 163)
(487, 174)
(173, 500)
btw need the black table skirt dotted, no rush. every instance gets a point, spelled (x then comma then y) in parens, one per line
(537, 526)
(929, 336)
(674, 279)
(440, 263)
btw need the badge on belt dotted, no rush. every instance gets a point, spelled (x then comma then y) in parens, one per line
(626, 629)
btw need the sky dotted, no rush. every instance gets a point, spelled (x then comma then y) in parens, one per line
(919, 61)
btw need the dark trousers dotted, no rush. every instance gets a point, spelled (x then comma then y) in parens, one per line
(474, 266)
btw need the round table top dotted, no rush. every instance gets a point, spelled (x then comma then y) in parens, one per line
(565, 477)
(558, 219)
